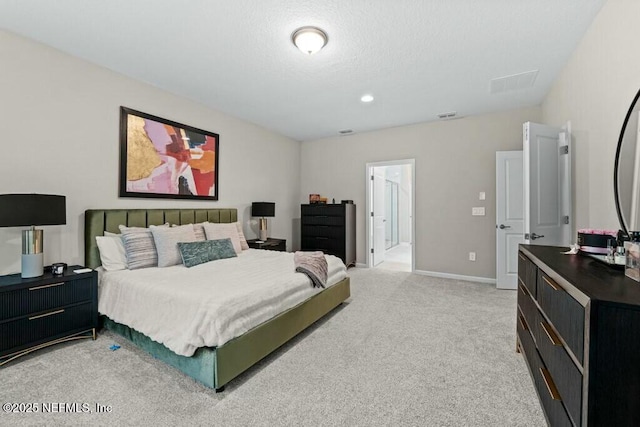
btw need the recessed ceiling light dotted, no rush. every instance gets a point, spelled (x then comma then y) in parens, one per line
(367, 98)
(309, 39)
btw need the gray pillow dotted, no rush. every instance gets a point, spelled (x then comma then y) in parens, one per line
(166, 241)
(196, 253)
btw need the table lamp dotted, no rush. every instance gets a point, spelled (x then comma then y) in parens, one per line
(20, 210)
(263, 210)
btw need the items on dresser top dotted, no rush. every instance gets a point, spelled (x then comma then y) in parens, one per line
(331, 229)
(576, 323)
(39, 312)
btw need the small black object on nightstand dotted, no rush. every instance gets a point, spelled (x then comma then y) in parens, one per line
(270, 244)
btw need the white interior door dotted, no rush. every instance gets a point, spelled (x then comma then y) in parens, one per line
(509, 216)
(547, 185)
(378, 215)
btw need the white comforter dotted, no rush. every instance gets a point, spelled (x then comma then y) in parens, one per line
(209, 304)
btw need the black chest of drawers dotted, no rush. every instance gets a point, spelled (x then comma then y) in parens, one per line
(578, 323)
(331, 229)
(42, 311)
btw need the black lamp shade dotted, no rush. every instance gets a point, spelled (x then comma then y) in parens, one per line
(263, 209)
(18, 210)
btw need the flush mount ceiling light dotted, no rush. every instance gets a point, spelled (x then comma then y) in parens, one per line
(309, 39)
(367, 98)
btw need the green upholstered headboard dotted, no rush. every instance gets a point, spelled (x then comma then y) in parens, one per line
(97, 221)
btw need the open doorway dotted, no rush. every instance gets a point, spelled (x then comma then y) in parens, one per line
(390, 207)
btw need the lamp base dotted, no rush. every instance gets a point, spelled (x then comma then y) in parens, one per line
(32, 265)
(263, 229)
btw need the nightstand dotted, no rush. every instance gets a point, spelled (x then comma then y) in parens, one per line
(46, 310)
(270, 244)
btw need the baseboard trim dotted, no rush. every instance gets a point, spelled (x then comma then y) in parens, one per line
(456, 276)
(361, 265)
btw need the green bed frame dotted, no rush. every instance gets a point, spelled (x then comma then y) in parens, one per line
(212, 366)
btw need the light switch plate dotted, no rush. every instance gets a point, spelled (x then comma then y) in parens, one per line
(482, 195)
(478, 211)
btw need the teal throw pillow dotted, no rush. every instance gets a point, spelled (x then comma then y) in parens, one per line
(195, 253)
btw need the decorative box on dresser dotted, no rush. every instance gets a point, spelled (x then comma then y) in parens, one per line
(330, 228)
(46, 310)
(578, 328)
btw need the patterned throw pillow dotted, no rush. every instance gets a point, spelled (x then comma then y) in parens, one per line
(139, 247)
(195, 253)
(199, 230)
(166, 242)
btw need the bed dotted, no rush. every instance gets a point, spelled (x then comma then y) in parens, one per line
(217, 365)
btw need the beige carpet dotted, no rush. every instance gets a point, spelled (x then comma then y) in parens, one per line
(406, 350)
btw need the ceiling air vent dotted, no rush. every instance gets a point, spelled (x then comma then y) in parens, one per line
(447, 116)
(345, 131)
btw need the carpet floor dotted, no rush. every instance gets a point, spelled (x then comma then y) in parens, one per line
(404, 350)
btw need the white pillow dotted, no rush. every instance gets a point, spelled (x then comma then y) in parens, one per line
(112, 254)
(216, 231)
(166, 240)
(243, 241)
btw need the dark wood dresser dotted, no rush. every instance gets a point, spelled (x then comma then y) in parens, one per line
(46, 310)
(578, 328)
(331, 229)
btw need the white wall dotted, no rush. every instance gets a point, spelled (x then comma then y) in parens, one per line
(59, 128)
(594, 91)
(454, 161)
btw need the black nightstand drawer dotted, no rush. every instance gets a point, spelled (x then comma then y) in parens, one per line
(45, 326)
(39, 297)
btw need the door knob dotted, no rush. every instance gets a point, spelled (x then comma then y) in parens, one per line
(502, 226)
(535, 236)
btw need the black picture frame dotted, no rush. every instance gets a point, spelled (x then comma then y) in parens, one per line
(160, 158)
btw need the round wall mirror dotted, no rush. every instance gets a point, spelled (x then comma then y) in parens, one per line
(626, 172)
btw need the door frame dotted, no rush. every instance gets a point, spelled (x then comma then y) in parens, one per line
(368, 197)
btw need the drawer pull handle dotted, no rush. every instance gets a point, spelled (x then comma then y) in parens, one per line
(523, 323)
(550, 334)
(524, 290)
(522, 257)
(551, 387)
(550, 283)
(35, 288)
(46, 314)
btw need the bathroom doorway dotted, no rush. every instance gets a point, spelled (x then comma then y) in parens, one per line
(390, 194)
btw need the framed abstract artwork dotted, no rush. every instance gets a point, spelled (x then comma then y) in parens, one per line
(160, 158)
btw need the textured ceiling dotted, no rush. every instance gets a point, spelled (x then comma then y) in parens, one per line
(419, 58)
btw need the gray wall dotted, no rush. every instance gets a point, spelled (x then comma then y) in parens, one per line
(455, 160)
(594, 91)
(59, 127)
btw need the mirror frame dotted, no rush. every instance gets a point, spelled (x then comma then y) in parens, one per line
(623, 226)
